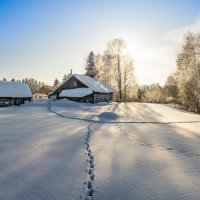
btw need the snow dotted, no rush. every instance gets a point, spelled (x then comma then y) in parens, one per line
(82, 111)
(78, 92)
(38, 101)
(95, 84)
(145, 160)
(14, 89)
(92, 83)
(41, 155)
(108, 151)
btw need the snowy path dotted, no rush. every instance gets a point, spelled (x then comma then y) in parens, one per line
(145, 151)
(89, 182)
(126, 151)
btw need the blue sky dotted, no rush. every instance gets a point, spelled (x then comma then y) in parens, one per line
(44, 39)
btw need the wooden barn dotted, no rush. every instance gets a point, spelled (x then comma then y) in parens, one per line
(14, 93)
(82, 88)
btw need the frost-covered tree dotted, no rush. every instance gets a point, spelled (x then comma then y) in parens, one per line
(113, 53)
(116, 68)
(45, 89)
(33, 85)
(152, 93)
(90, 68)
(103, 68)
(171, 89)
(197, 73)
(56, 83)
(120, 66)
(188, 72)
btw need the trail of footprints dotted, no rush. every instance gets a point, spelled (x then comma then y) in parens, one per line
(89, 184)
(161, 147)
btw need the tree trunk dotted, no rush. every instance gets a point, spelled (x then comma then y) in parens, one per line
(119, 77)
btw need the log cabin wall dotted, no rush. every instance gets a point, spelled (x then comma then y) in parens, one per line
(102, 97)
(9, 101)
(85, 99)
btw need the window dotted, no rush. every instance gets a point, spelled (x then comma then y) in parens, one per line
(75, 83)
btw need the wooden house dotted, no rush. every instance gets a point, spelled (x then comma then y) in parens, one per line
(82, 88)
(14, 93)
(40, 95)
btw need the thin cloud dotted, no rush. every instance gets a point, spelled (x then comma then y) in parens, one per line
(176, 35)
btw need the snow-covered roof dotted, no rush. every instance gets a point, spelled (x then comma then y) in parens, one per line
(92, 83)
(78, 92)
(14, 89)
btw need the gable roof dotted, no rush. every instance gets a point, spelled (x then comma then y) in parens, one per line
(92, 83)
(14, 89)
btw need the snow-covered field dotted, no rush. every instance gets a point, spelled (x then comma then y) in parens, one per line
(119, 151)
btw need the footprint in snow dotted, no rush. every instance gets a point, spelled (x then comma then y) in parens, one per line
(170, 149)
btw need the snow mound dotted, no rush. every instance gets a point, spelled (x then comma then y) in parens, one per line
(66, 103)
(38, 101)
(27, 103)
(103, 103)
(108, 116)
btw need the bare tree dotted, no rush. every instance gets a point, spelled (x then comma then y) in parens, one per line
(114, 52)
(128, 79)
(122, 69)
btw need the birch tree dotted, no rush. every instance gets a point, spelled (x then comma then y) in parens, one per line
(121, 67)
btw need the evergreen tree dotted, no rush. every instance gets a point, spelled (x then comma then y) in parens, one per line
(65, 76)
(90, 68)
(56, 83)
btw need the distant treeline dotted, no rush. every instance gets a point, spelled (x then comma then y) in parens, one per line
(35, 85)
